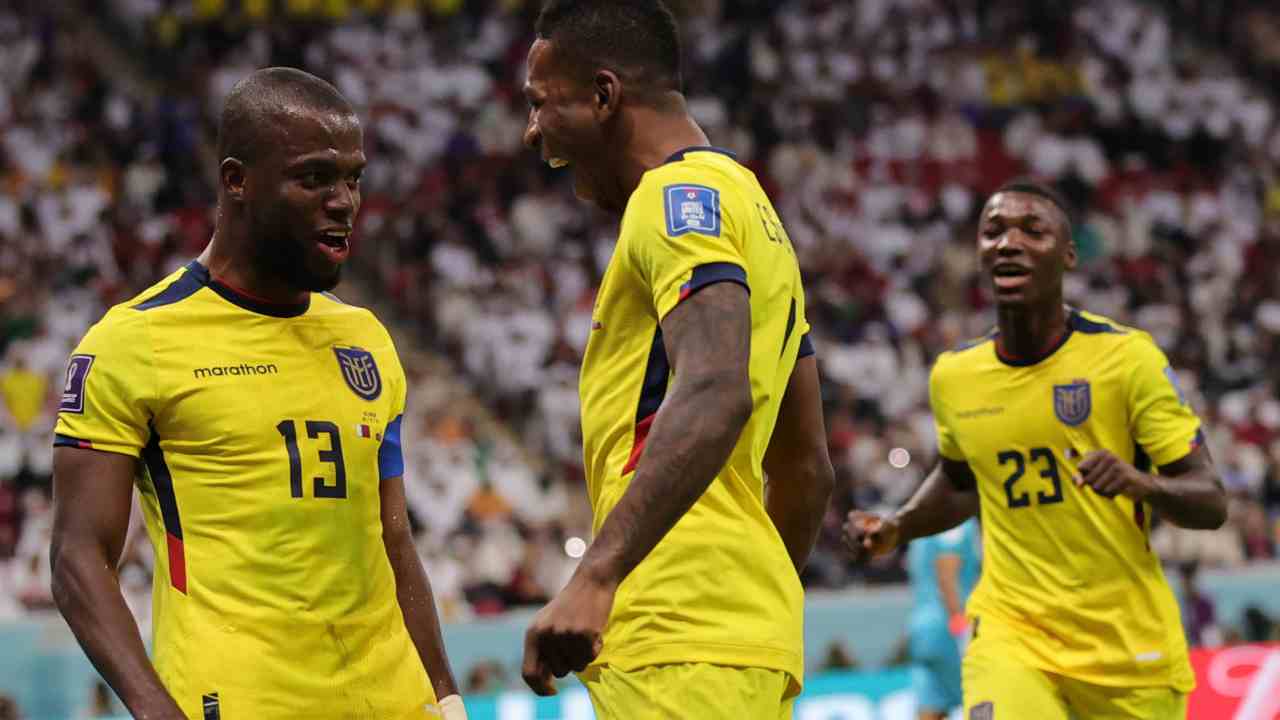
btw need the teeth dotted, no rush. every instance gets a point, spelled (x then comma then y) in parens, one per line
(557, 163)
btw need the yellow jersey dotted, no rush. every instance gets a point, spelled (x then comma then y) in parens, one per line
(719, 587)
(263, 432)
(1071, 570)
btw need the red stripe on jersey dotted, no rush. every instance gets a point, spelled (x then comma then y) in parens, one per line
(177, 563)
(637, 448)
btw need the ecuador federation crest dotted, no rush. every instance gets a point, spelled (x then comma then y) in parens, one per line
(360, 371)
(1072, 402)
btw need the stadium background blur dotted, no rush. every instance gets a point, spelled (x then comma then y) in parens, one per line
(877, 126)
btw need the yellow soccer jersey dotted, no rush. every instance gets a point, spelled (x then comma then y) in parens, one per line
(720, 587)
(263, 433)
(1072, 570)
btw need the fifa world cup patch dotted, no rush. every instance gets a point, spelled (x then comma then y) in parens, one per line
(692, 209)
(360, 371)
(73, 391)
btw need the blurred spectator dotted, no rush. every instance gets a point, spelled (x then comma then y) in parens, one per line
(1199, 617)
(9, 708)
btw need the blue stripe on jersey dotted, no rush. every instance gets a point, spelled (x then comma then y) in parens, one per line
(656, 371)
(390, 456)
(712, 273)
(184, 287)
(1076, 321)
(60, 440)
(678, 155)
(162, 480)
(791, 325)
(806, 346)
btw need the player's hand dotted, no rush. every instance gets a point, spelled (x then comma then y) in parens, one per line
(869, 535)
(568, 633)
(1109, 476)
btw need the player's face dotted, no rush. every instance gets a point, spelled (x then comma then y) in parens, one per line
(302, 199)
(564, 125)
(1022, 249)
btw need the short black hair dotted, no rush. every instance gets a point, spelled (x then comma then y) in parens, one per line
(638, 39)
(257, 100)
(1048, 192)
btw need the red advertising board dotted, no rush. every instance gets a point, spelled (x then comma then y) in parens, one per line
(1236, 683)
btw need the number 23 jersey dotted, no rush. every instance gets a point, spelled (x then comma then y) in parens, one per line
(263, 432)
(1071, 570)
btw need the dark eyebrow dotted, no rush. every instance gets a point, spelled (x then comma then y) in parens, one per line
(320, 163)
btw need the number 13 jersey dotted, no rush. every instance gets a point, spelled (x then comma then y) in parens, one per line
(263, 432)
(1071, 570)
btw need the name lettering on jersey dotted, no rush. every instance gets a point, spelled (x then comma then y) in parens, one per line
(211, 706)
(1072, 402)
(235, 370)
(360, 371)
(692, 208)
(73, 391)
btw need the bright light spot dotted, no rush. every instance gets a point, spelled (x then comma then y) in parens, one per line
(899, 458)
(574, 547)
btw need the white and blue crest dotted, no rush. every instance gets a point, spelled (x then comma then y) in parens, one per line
(360, 371)
(692, 208)
(1072, 402)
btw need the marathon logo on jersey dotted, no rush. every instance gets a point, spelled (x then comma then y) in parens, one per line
(360, 371)
(692, 208)
(983, 711)
(1072, 402)
(212, 709)
(73, 390)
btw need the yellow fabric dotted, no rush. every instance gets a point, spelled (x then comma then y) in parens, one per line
(24, 393)
(994, 673)
(720, 587)
(1072, 570)
(689, 690)
(289, 608)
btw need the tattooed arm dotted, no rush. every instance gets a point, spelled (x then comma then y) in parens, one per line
(708, 340)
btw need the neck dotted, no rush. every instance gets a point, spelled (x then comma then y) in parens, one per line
(229, 259)
(1030, 332)
(653, 134)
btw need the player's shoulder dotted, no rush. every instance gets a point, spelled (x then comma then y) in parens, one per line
(127, 320)
(1109, 335)
(972, 351)
(707, 174)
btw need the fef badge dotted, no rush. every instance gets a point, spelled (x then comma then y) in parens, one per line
(360, 371)
(1072, 402)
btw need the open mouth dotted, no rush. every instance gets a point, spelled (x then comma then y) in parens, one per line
(1008, 275)
(335, 243)
(557, 163)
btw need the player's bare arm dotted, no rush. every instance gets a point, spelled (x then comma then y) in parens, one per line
(92, 495)
(708, 340)
(946, 498)
(1187, 492)
(798, 465)
(413, 588)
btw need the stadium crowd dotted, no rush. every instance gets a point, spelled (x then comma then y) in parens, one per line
(876, 126)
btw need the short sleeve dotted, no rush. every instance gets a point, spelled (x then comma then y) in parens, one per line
(109, 389)
(1160, 420)
(947, 445)
(391, 452)
(682, 240)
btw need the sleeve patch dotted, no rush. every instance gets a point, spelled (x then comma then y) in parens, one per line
(390, 456)
(692, 209)
(73, 392)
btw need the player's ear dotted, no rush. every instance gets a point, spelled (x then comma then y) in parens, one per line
(607, 87)
(1070, 256)
(231, 175)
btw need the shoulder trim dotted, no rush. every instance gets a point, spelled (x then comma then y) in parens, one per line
(184, 287)
(1079, 323)
(975, 342)
(678, 155)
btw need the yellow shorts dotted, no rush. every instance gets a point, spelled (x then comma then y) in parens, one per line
(698, 691)
(998, 685)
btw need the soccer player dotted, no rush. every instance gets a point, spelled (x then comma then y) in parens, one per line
(1053, 423)
(260, 419)
(698, 382)
(943, 569)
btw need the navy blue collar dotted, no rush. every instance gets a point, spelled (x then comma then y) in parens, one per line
(678, 155)
(1073, 324)
(239, 299)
